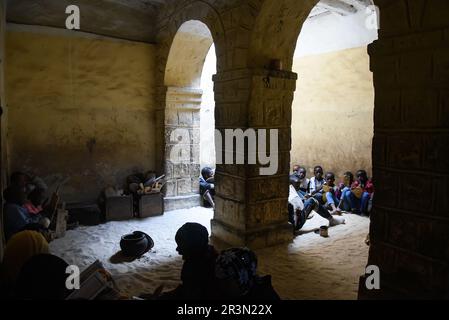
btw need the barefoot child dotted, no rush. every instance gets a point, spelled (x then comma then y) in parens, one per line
(329, 196)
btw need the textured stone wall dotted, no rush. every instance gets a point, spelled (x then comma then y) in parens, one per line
(182, 148)
(410, 223)
(251, 208)
(181, 116)
(270, 107)
(80, 107)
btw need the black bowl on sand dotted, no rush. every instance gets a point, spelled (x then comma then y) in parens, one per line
(136, 244)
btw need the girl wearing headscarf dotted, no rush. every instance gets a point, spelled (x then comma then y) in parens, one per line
(236, 274)
(20, 248)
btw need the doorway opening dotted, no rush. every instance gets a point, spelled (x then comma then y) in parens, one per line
(332, 126)
(189, 98)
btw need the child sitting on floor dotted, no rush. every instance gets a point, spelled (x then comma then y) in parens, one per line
(207, 187)
(345, 185)
(303, 182)
(316, 184)
(358, 197)
(329, 194)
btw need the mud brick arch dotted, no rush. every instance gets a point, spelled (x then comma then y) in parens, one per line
(410, 63)
(186, 34)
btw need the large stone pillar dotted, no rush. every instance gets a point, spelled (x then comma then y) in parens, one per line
(410, 219)
(182, 147)
(251, 209)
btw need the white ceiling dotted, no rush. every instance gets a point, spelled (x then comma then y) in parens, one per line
(341, 7)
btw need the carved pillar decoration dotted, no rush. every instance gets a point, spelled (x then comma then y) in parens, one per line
(182, 146)
(251, 208)
(410, 220)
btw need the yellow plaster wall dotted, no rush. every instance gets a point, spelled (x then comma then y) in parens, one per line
(80, 107)
(333, 111)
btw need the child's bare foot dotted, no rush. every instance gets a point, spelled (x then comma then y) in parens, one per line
(336, 221)
(336, 212)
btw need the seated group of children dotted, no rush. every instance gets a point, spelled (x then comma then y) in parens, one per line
(322, 194)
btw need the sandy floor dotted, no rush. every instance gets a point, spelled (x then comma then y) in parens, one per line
(311, 267)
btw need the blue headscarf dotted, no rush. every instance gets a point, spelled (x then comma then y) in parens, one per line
(239, 264)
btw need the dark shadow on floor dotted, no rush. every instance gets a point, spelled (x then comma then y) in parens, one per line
(306, 231)
(119, 257)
